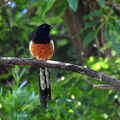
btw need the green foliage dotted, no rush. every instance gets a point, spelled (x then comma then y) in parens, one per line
(95, 13)
(112, 31)
(48, 6)
(73, 4)
(115, 43)
(91, 36)
(101, 3)
(107, 45)
(107, 34)
(17, 103)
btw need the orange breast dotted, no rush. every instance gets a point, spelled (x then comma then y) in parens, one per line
(42, 51)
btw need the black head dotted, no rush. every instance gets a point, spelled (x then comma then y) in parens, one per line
(42, 34)
(44, 27)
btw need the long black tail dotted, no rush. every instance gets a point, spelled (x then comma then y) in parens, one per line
(44, 86)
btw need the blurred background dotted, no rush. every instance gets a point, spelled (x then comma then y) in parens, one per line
(86, 33)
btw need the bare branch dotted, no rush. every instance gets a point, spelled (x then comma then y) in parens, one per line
(63, 66)
(103, 87)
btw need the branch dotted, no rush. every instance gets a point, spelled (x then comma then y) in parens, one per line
(103, 87)
(62, 66)
(4, 4)
(114, 7)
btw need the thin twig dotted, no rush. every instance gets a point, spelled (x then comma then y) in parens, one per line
(4, 4)
(89, 81)
(3, 116)
(63, 66)
(103, 87)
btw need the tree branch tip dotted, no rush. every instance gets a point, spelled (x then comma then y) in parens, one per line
(102, 86)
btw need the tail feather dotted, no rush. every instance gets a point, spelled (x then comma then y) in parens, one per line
(43, 101)
(48, 97)
(44, 86)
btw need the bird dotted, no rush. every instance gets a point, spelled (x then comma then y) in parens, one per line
(42, 47)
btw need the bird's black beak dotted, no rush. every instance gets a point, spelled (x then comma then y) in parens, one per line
(51, 26)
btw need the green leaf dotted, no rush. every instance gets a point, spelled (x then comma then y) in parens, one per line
(22, 84)
(68, 113)
(25, 37)
(77, 113)
(107, 34)
(91, 23)
(73, 4)
(107, 45)
(116, 46)
(47, 7)
(32, 95)
(90, 37)
(1, 91)
(117, 29)
(22, 73)
(95, 13)
(17, 31)
(50, 4)
(111, 96)
(101, 97)
(5, 76)
(63, 100)
(101, 3)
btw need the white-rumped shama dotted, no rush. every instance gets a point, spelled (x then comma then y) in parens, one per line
(42, 47)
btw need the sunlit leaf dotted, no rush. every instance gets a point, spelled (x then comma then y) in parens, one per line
(68, 113)
(107, 45)
(5, 76)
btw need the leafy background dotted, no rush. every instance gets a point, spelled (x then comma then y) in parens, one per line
(72, 94)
